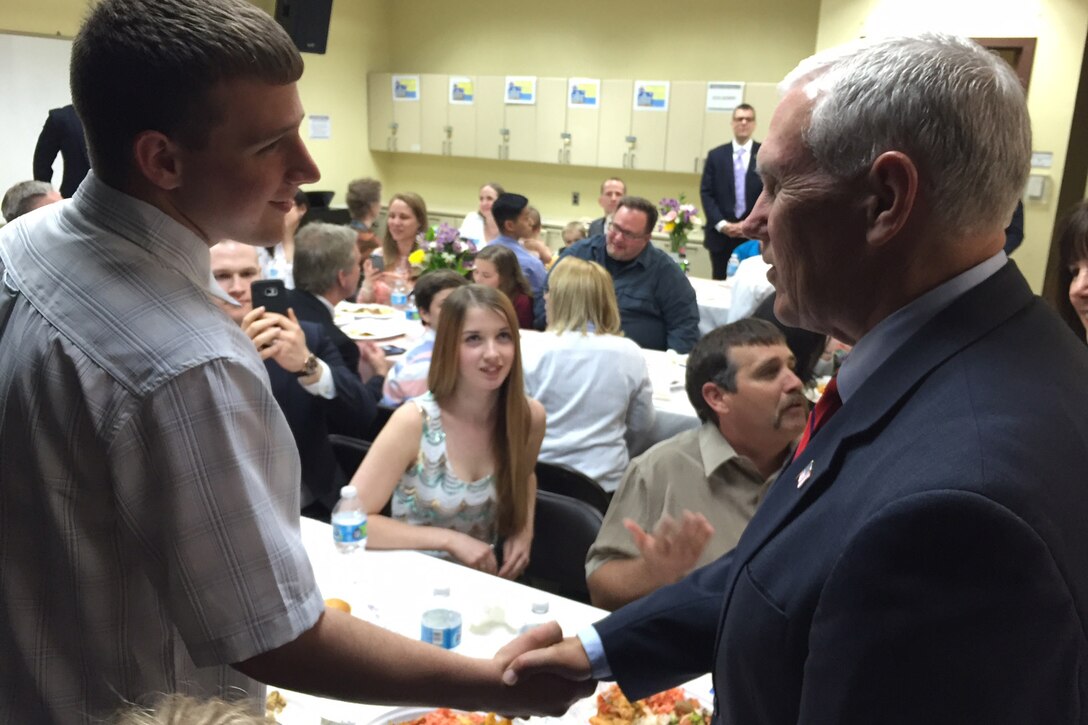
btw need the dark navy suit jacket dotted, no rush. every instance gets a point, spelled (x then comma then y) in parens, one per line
(62, 133)
(312, 417)
(719, 194)
(932, 564)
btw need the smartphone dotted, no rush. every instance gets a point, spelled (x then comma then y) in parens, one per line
(377, 262)
(271, 294)
(392, 350)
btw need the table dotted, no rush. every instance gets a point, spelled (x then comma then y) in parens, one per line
(713, 298)
(674, 413)
(398, 608)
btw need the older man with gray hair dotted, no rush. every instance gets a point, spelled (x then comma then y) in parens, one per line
(923, 557)
(27, 196)
(327, 269)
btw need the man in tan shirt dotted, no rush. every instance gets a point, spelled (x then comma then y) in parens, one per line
(685, 502)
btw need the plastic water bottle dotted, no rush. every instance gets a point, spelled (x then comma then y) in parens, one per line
(441, 623)
(731, 266)
(411, 312)
(349, 522)
(538, 615)
(398, 298)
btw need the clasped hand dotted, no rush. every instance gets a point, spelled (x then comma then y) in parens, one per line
(544, 673)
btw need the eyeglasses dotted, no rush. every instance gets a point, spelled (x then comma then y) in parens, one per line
(629, 236)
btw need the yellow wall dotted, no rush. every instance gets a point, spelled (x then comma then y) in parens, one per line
(577, 38)
(1060, 26)
(574, 37)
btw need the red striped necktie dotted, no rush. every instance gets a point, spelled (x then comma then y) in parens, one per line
(826, 406)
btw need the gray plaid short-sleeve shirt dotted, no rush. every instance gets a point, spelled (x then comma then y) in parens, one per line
(149, 485)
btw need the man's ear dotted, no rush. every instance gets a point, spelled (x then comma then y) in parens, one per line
(893, 189)
(718, 399)
(158, 159)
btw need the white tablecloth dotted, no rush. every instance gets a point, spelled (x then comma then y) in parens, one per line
(393, 588)
(713, 297)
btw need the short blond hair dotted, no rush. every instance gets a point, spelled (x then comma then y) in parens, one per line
(581, 294)
(186, 710)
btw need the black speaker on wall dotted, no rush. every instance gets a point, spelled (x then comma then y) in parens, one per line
(306, 21)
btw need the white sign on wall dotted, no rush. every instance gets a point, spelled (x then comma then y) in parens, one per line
(724, 95)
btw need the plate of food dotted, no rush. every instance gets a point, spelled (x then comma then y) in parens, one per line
(438, 716)
(358, 309)
(374, 329)
(671, 707)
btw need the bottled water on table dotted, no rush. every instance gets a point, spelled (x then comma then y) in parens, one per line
(349, 522)
(398, 296)
(731, 266)
(441, 624)
(538, 615)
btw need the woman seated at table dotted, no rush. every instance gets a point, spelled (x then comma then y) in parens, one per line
(593, 383)
(479, 226)
(458, 461)
(1073, 244)
(408, 377)
(405, 220)
(498, 267)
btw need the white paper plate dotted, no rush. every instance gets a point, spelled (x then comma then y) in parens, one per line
(375, 329)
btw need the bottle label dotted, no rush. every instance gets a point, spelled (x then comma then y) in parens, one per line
(349, 533)
(441, 628)
(398, 299)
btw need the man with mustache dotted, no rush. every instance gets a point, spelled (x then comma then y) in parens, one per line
(741, 382)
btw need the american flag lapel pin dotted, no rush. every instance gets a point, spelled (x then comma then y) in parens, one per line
(804, 475)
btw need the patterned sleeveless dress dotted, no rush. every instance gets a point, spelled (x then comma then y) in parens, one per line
(429, 494)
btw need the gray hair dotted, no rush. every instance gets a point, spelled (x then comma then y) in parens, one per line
(954, 108)
(23, 197)
(322, 250)
(140, 65)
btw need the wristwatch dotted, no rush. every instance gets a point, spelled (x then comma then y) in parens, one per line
(308, 368)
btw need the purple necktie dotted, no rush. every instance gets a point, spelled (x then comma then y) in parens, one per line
(740, 170)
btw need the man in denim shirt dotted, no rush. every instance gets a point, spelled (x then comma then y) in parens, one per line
(657, 303)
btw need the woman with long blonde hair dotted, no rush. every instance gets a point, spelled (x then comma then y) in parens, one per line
(592, 381)
(405, 220)
(458, 461)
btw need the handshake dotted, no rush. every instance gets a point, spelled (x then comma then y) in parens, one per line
(542, 673)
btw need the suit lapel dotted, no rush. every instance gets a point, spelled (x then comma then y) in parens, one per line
(968, 318)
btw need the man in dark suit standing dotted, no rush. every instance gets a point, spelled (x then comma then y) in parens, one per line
(612, 190)
(63, 134)
(924, 557)
(326, 269)
(729, 190)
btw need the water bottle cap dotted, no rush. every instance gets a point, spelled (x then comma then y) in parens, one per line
(540, 607)
(348, 492)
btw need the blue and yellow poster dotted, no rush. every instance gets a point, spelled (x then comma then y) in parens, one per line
(651, 96)
(584, 93)
(462, 90)
(405, 88)
(520, 90)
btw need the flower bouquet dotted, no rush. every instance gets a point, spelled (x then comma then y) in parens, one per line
(677, 219)
(442, 247)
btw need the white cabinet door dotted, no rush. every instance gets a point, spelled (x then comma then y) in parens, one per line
(684, 139)
(615, 124)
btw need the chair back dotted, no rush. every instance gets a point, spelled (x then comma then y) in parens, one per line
(564, 529)
(383, 413)
(569, 482)
(349, 454)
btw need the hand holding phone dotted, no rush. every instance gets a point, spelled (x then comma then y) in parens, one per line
(270, 294)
